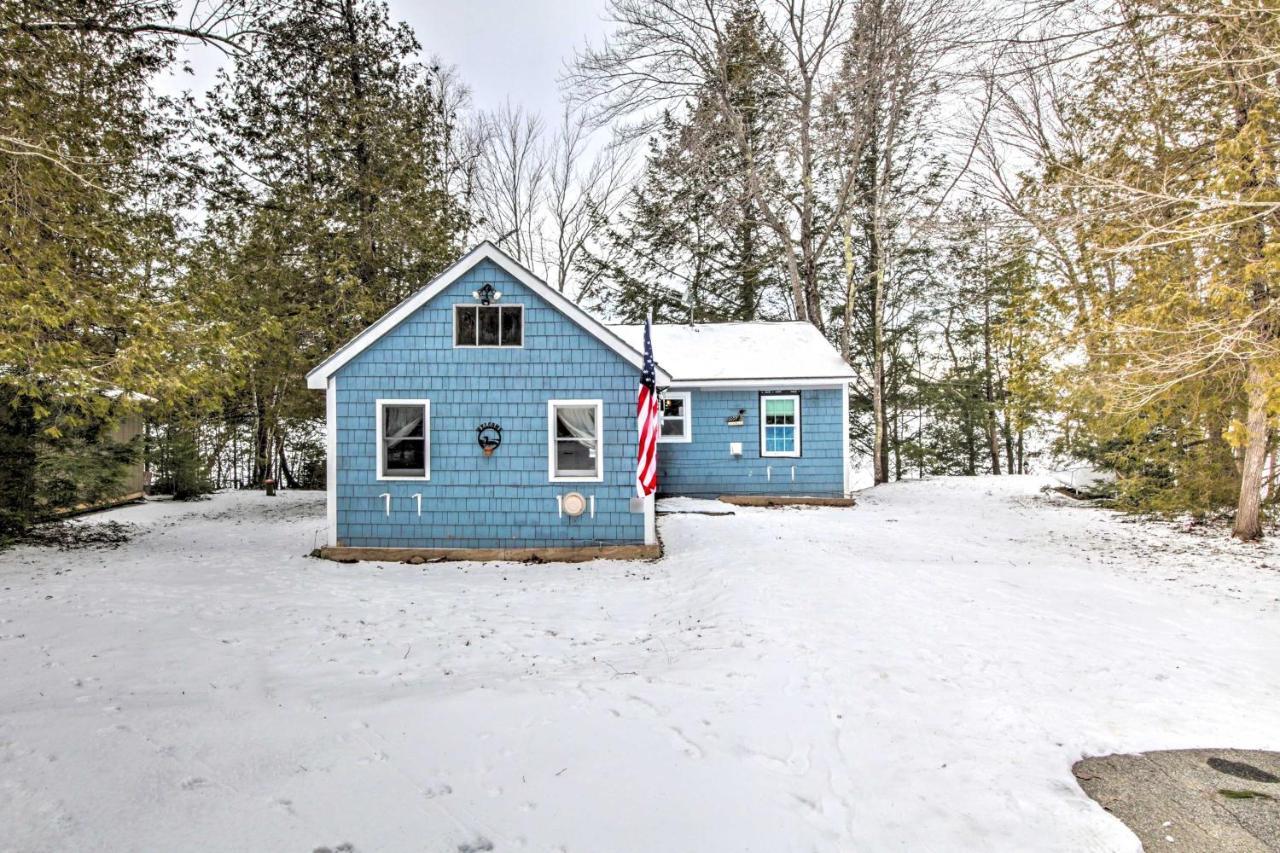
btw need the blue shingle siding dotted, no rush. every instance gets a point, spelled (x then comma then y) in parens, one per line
(473, 501)
(704, 467)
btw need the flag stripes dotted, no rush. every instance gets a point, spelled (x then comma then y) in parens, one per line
(647, 422)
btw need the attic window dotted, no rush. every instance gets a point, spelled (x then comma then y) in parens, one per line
(488, 325)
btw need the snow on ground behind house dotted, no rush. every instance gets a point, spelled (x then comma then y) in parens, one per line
(918, 672)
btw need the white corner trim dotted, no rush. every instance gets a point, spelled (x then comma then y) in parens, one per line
(379, 448)
(331, 458)
(598, 477)
(844, 433)
(686, 418)
(485, 251)
(799, 440)
(650, 520)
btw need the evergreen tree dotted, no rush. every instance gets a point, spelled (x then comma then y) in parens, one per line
(695, 247)
(330, 200)
(89, 242)
(1174, 163)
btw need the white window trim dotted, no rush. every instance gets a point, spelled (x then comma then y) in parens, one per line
(552, 405)
(453, 310)
(379, 454)
(686, 418)
(791, 453)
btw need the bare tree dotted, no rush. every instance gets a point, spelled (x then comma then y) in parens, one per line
(582, 194)
(892, 71)
(513, 171)
(665, 51)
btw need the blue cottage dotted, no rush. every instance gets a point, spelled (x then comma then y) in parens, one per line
(489, 416)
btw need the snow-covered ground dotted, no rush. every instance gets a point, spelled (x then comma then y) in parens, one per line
(916, 673)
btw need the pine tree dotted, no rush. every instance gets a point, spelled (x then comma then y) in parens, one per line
(89, 242)
(695, 247)
(330, 200)
(1176, 164)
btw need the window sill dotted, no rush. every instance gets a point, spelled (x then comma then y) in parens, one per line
(575, 479)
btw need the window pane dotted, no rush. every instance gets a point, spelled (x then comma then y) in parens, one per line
(488, 325)
(779, 411)
(575, 457)
(576, 422)
(780, 439)
(577, 439)
(402, 421)
(673, 408)
(512, 326)
(465, 323)
(406, 457)
(673, 426)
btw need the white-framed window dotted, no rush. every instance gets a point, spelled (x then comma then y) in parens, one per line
(677, 417)
(575, 441)
(404, 439)
(488, 325)
(779, 424)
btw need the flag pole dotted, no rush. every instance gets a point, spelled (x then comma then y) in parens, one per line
(650, 500)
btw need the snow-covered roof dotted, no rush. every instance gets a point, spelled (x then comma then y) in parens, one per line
(711, 354)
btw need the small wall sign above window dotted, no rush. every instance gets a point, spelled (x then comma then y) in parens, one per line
(488, 325)
(489, 437)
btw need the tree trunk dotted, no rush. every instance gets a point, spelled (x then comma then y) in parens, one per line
(18, 433)
(1248, 527)
(261, 443)
(1006, 433)
(881, 448)
(970, 447)
(988, 385)
(993, 440)
(290, 482)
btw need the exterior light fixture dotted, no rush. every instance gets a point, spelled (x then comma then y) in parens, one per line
(486, 294)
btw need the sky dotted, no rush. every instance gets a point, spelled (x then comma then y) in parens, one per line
(503, 49)
(506, 49)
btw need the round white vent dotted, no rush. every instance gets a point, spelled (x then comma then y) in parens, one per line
(574, 504)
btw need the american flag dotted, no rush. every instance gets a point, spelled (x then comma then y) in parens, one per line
(647, 422)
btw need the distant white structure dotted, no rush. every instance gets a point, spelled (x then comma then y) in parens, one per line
(1084, 479)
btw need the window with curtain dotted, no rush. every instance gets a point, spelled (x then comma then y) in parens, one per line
(403, 439)
(676, 414)
(780, 425)
(575, 439)
(488, 325)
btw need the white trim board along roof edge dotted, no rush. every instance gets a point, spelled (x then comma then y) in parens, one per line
(320, 374)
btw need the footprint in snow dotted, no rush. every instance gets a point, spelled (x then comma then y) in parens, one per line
(191, 783)
(438, 791)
